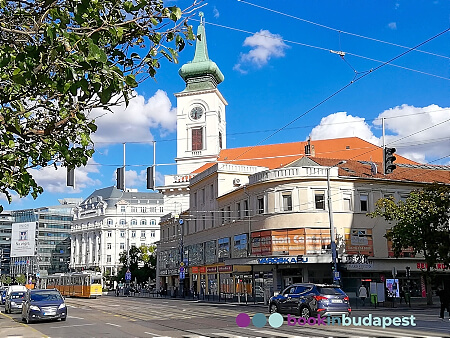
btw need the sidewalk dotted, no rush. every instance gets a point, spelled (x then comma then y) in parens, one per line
(11, 328)
(416, 303)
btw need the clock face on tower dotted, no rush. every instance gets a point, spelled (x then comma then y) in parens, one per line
(196, 113)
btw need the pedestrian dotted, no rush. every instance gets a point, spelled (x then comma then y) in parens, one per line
(362, 294)
(444, 298)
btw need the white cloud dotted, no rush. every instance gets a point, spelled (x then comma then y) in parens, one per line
(54, 180)
(421, 146)
(133, 123)
(133, 179)
(392, 25)
(340, 124)
(216, 12)
(265, 46)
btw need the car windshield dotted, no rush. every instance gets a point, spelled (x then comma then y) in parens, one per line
(45, 296)
(17, 295)
(330, 291)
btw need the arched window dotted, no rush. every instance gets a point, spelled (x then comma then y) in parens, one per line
(143, 222)
(122, 222)
(152, 222)
(109, 221)
(133, 222)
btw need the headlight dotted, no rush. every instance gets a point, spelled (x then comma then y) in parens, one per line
(62, 306)
(35, 308)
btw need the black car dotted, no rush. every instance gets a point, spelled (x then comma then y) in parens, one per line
(307, 299)
(14, 301)
(43, 305)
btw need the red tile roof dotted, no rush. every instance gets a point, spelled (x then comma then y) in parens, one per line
(411, 173)
(278, 155)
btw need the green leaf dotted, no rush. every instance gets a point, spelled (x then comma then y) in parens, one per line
(131, 81)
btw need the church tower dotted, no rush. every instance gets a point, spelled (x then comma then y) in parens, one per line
(201, 126)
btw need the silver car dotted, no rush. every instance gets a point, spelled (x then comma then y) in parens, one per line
(14, 301)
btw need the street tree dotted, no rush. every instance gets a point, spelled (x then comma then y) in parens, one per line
(421, 223)
(21, 279)
(59, 59)
(140, 261)
(5, 280)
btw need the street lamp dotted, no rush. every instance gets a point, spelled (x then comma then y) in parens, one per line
(330, 217)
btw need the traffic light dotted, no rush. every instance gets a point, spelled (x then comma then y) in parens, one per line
(389, 159)
(408, 272)
(70, 177)
(120, 176)
(151, 178)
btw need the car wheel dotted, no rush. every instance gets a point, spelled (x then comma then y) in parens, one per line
(305, 312)
(274, 308)
(63, 319)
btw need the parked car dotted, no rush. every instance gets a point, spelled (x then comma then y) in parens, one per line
(46, 304)
(14, 301)
(309, 300)
(3, 296)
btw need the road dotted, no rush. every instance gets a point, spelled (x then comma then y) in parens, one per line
(156, 317)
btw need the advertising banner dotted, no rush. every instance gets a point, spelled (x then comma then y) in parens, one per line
(358, 242)
(23, 239)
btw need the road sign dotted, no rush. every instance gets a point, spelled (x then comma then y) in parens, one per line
(182, 274)
(337, 275)
(128, 275)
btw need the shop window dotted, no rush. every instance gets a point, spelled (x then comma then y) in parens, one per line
(224, 248)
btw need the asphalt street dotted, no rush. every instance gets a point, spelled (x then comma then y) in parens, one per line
(156, 317)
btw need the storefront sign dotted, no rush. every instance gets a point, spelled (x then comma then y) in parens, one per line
(211, 269)
(359, 241)
(168, 272)
(202, 269)
(439, 266)
(195, 269)
(225, 268)
(367, 266)
(282, 260)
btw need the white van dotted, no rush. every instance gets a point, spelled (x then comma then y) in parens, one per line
(13, 288)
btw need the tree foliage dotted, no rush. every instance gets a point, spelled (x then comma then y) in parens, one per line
(21, 279)
(141, 262)
(6, 280)
(59, 59)
(421, 222)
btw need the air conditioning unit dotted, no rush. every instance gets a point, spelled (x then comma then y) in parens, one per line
(237, 182)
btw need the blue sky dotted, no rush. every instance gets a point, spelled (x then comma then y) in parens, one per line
(278, 65)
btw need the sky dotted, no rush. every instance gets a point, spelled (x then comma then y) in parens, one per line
(293, 70)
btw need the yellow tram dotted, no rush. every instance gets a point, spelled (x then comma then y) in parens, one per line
(85, 284)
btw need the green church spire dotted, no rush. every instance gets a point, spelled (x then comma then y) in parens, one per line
(201, 73)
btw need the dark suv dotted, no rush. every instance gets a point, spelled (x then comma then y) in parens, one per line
(307, 299)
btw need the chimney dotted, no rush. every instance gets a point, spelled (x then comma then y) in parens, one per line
(308, 147)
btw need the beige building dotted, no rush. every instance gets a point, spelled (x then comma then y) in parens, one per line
(252, 220)
(251, 228)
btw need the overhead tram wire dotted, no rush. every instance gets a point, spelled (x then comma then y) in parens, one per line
(339, 30)
(362, 120)
(321, 48)
(346, 86)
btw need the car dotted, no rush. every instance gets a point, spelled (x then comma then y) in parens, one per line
(311, 300)
(14, 301)
(43, 304)
(17, 288)
(3, 296)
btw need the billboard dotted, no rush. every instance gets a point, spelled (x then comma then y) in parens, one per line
(23, 239)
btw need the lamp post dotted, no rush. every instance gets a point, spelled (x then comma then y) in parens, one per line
(330, 217)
